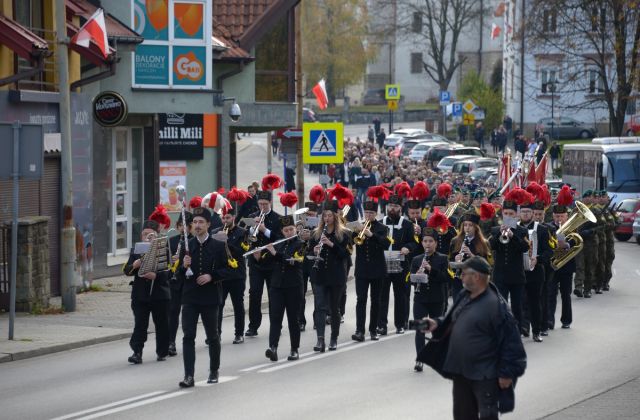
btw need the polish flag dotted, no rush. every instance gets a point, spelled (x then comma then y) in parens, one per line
(495, 31)
(531, 175)
(541, 170)
(95, 29)
(320, 90)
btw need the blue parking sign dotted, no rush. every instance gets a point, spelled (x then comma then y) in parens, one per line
(445, 97)
(456, 109)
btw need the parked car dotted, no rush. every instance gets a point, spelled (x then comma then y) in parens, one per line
(432, 137)
(465, 166)
(567, 128)
(636, 227)
(374, 97)
(626, 212)
(308, 115)
(404, 148)
(447, 162)
(436, 153)
(633, 126)
(420, 150)
(394, 138)
(483, 173)
(492, 179)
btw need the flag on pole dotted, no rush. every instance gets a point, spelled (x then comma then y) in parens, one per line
(93, 29)
(495, 31)
(541, 170)
(320, 91)
(531, 174)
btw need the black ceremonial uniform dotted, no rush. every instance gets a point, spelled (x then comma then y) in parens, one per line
(176, 281)
(561, 279)
(444, 240)
(260, 270)
(369, 272)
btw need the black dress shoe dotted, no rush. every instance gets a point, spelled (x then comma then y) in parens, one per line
(418, 367)
(293, 355)
(375, 336)
(272, 354)
(319, 345)
(161, 358)
(544, 333)
(187, 382)
(135, 358)
(605, 288)
(358, 336)
(251, 333)
(566, 326)
(333, 344)
(303, 327)
(382, 330)
(537, 338)
(399, 330)
(587, 294)
(206, 341)
(578, 292)
(238, 339)
(213, 377)
(172, 350)
(524, 333)
(598, 291)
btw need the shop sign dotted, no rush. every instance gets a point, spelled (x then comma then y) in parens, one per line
(109, 109)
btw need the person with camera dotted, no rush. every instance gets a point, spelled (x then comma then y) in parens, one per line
(478, 346)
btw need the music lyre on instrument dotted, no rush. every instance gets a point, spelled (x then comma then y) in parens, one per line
(156, 257)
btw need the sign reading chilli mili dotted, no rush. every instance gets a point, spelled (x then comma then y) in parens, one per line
(109, 109)
(180, 136)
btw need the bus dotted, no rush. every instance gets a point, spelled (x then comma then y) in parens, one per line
(607, 163)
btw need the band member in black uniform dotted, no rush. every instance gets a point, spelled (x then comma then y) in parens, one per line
(329, 242)
(488, 218)
(305, 235)
(446, 231)
(286, 289)
(414, 214)
(150, 295)
(561, 278)
(370, 268)
(534, 277)
(509, 241)
(429, 299)
(176, 245)
(201, 295)
(401, 232)
(235, 283)
(469, 243)
(250, 206)
(539, 213)
(261, 263)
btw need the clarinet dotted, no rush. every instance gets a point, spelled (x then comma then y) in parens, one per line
(316, 263)
(427, 259)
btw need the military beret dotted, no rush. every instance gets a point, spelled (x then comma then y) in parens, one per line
(478, 264)
(587, 193)
(202, 212)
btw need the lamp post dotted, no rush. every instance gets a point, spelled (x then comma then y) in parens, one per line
(552, 89)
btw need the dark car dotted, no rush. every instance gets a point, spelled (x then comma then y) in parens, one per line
(626, 212)
(374, 97)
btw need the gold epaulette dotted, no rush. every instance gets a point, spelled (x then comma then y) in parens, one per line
(451, 273)
(232, 262)
(391, 240)
(553, 242)
(416, 238)
(406, 279)
(245, 246)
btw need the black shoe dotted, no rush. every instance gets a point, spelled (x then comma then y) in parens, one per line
(566, 326)
(587, 294)
(187, 382)
(172, 350)
(293, 355)
(605, 288)
(598, 291)
(319, 345)
(358, 336)
(333, 344)
(238, 339)
(524, 333)
(537, 338)
(272, 354)
(161, 358)
(342, 319)
(374, 336)
(303, 326)
(135, 358)
(578, 292)
(382, 330)
(251, 333)
(544, 333)
(418, 367)
(213, 377)
(399, 330)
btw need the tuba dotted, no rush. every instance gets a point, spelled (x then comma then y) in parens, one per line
(568, 230)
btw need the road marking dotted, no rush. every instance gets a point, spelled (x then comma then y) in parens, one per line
(281, 361)
(341, 349)
(221, 380)
(105, 406)
(133, 405)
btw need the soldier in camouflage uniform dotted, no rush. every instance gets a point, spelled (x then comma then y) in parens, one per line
(612, 221)
(602, 241)
(589, 234)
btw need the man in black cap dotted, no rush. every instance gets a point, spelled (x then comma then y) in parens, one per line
(414, 214)
(561, 278)
(369, 271)
(305, 235)
(201, 295)
(261, 263)
(401, 232)
(176, 245)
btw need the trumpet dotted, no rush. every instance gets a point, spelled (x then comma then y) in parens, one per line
(360, 238)
(504, 236)
(253, 237)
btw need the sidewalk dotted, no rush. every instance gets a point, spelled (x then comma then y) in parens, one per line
(99, 317)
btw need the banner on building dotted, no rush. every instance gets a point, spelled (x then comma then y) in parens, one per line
(172, 174)
(181, 136)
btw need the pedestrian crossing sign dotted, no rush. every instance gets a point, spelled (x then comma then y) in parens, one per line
(322, 143)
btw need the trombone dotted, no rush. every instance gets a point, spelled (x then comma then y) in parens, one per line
(253, 237)
(451, 209)
(360, 238)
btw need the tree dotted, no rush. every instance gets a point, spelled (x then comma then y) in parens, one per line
(594, 48)
(334, 43)
(484, 96)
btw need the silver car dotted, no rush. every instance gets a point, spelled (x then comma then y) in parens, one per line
(392, 140)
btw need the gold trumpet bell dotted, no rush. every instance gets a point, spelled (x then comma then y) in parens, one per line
(569, 229)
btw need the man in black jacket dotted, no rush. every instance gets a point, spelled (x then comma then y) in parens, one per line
(561, 278)
(478, 347)
(176, 245)
(370, 269)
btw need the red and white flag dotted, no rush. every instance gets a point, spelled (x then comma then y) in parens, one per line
(495, 31)
(320, 90)
(541, 170)
(96, 30)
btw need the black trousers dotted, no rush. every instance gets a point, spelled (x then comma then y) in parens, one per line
(473, 400)
(373, 286)
(562, 281)
(515, 292)
(159, 311)
(209, 315)
(422, 309)
(399, 300)
(257, 280)
(327, 301)
(303, 302)
(281, 300)
(544, 300)
(533, 288)
(235, 288)
(174, 313)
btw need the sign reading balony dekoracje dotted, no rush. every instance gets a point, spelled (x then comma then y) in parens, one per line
(176, 55)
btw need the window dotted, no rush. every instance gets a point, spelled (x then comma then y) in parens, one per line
(272, 58)
(416, 23)
(416, 63)
(548, 79)
(596, 84)
(549, 21)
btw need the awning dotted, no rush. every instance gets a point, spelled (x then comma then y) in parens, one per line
(21, 40)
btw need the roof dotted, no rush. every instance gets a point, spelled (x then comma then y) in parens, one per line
(230, 49)
(115, 28)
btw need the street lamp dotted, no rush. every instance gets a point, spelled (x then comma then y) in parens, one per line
(552, 88)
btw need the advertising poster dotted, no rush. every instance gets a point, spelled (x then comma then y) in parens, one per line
(151, 65)
(188, 20)
(172, 174)
(151, 19)
(188, 66)
(181, 136)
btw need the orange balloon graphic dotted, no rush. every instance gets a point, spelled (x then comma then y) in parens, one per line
(158, 13)
(189, 17)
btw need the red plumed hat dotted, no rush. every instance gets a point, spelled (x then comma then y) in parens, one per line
(402, 189)
(377, 192)
(444, 190)
(271, 182)
(518, 196)
(545, 195)
(238, 195)
(288, 199)
(342, 194)
(534, 188)
(161, 216)
(420, 191)
(317, 194)
(195, 202)
(487, 211)
(439, 221)
(565, 198)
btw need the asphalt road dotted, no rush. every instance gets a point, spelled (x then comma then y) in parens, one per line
(572, 368)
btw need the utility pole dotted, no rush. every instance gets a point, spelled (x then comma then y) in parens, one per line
(300, 95)
(68, 232)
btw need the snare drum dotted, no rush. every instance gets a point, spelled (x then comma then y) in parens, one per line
(394, 260)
